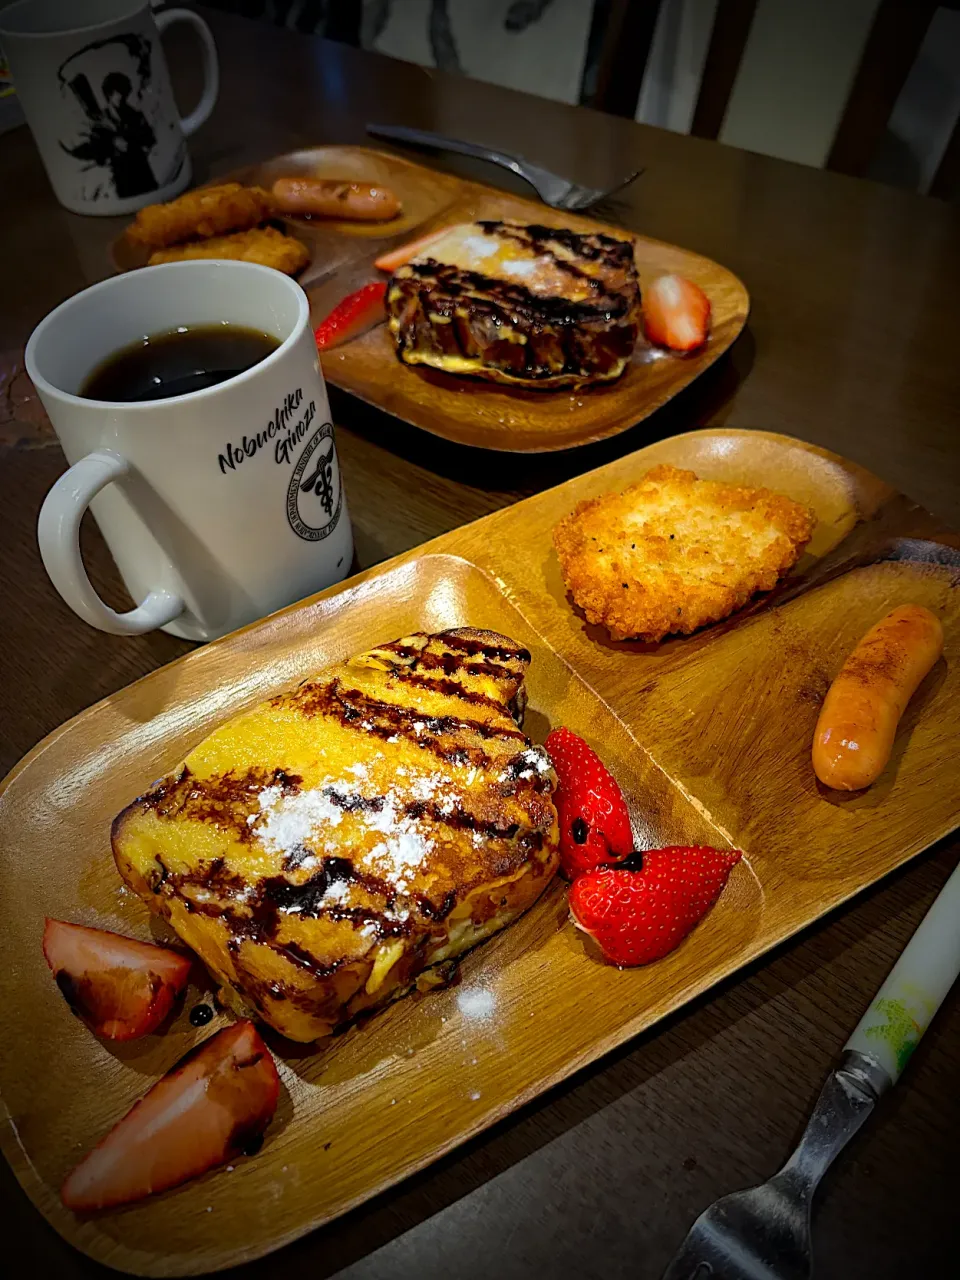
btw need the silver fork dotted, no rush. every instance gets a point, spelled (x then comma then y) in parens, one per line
(764, 1233)
(559, 193)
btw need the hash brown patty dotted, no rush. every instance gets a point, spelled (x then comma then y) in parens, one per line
(673, 552)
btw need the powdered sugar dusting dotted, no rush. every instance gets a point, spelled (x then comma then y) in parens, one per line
(530, 763)
(481, 246)
(292, 820)
(405, 846)
(426, 786)
(270, 796)
(299, 825)
(476, 1002)
(520, 267)
(337, 891)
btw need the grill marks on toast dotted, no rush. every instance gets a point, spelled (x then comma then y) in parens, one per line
(458, 819)
(225, 800)
(449, 688)
(408, 663)
(355, 709)
(595, 247)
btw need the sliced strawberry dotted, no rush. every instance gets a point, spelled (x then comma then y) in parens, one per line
(406, 252)
(638, 916)
(213, 1106)
(676, 313)
(594, 819)
(121, 988)
(357, 313)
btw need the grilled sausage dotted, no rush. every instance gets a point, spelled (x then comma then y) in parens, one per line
(860, 714)
(333, 198)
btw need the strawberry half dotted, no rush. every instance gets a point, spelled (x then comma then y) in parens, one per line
(594, 819)
(121, 988)
(676, 313)
(405, 253)
(638, 916)
(357, 313)
(213, 1106)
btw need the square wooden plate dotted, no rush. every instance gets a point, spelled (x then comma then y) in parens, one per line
(464, 409)
(710, 737)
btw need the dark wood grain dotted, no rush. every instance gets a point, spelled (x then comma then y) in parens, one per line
(850, 344)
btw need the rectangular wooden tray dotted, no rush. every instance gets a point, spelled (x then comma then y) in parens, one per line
(709, 735)
(464, 409)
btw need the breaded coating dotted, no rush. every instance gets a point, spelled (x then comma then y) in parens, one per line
(266, 245)
(208, 211)
(673, 552)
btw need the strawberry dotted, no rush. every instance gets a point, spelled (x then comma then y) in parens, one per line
(119, 987)
(214, 1105)
(357, 313)
(638, 916)
(594, 819)
(406, 252)
(676, 313)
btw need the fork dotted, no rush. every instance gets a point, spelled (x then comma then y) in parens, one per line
(559, 193)
(764, 1233)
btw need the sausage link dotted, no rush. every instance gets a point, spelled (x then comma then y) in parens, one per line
(863, 706)
(331, 198)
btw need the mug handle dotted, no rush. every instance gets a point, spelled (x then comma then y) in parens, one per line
(58, 532)
(211, 65)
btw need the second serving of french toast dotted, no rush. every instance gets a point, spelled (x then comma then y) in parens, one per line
(534, 306)
(321, 850)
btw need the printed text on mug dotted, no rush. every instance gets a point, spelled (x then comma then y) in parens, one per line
(279, 428)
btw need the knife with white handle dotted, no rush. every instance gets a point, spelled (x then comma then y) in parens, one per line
(903, 1008)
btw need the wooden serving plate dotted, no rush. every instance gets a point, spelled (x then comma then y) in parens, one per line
(710, 737)
(467, 410)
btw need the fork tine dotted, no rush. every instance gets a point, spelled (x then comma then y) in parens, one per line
(578, 199)
(625, 183)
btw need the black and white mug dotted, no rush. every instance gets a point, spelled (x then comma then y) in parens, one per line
(218, 506)
(93, 82)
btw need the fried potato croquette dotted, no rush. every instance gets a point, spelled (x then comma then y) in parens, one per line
(266, 245)
(209, 211)
(674, 552)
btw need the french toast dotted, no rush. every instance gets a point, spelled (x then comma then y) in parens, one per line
(530, 306)
(323, 849)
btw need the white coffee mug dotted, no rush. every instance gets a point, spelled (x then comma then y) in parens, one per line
(93, 83)
(218, 506)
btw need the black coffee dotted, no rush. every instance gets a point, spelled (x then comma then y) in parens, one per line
(176, 363)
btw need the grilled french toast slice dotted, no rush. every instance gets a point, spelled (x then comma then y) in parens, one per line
(321, 850)
(531, 306)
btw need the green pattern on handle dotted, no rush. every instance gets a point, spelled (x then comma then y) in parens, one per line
(901, 1031)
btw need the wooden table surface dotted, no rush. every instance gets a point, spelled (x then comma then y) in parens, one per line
(852, 344)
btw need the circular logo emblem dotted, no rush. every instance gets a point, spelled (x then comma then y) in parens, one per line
(315, 495)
